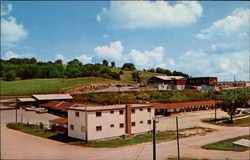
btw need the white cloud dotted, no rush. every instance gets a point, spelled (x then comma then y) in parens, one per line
(11, 31)
(5, 11)
(147, 58)
(10, 54)
(148, 14)
(60, 56)
(235, 24)
(84, 59)
(113, 52)
(224, 66)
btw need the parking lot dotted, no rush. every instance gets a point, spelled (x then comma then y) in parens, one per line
(8, 116)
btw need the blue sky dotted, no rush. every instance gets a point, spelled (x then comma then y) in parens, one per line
(198, 38)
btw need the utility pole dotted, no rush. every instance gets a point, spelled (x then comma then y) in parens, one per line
(177, 133)
(16, 109)
(154, 143)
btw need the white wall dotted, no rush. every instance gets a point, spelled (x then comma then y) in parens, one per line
(142, 116)
(78, 122)
(105, 121)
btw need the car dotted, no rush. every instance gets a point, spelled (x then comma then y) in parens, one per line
(246, 112)
(32, 108)
(41, 110)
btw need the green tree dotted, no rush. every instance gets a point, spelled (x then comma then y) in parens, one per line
(136, 76)
(128, 66)
(232, 99)
(112, 64)
(105, 62)
(9, 75)
(28, 71)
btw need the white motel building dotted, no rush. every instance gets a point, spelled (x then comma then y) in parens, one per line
(103, 122)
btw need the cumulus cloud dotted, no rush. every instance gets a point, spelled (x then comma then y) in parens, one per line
(6, 9)
(113, 52)
(149, 14)
(224, 66)
(85, 59)
(10, 54)
(147, 58)
(235, 24)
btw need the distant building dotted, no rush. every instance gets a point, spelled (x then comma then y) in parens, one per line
(167, 82)
(234, 84)
(59, 125)
(169, 108)
(44, 98)
(102, 122)
(203, 83)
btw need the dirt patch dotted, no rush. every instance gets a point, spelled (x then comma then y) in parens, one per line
(89, 87)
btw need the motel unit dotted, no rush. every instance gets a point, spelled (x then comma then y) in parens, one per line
(169, 108)
(103, 122)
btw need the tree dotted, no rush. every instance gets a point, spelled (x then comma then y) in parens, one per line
(28, 71)
(128, 66)
(9, 76)
(112, 64)
(105, 62)
(136, 76)
(232, 99)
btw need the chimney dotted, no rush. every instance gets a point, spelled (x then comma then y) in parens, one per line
(128, 119)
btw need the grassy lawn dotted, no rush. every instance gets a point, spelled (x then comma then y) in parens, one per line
(119, 142)
(57, 85)
(53, 85)
(227, 145)
(243, 122)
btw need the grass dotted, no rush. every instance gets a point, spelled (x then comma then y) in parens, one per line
(57, 85)
(119, 142)
(243, 122)
(53, 85)
(227, 145)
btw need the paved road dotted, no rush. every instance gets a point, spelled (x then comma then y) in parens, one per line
(12, 147)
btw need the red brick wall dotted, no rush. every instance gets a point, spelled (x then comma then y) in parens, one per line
(128, 119)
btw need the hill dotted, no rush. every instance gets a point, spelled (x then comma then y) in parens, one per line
(59, 85)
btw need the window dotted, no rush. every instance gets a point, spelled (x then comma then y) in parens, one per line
(149, 121)
(77, 114)
(111, 112)
(121, 125)
(133, 124)
(98, 128)
(141, 109)
(149, 109)
(72, 127)
(133, 110)
(112, 126)
(98, 114)
(121, 111)
(141, 122)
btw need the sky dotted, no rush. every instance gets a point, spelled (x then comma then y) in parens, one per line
(198, 38)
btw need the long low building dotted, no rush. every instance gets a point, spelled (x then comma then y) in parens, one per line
(169, 108)
(102, 122)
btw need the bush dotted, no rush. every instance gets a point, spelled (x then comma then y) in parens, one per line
(9, 76)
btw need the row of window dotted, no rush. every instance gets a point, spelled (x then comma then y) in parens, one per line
(99, 128)
(99, 114)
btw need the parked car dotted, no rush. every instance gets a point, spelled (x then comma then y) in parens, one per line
(32, 108)
(246, 112)
(41, 110)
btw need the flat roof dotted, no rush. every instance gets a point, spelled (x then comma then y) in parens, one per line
(52, 96)
(181, 104)
(109, 107)
(26, 99)
(169, 77)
